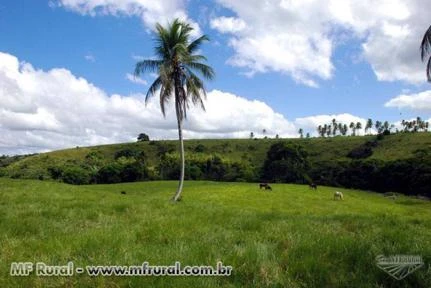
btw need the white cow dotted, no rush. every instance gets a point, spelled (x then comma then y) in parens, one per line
(338, 195)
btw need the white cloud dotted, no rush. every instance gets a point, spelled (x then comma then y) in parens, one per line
(90, 58)
(48, 110)
(228, 24)
(418, 101)
(299, 37)
(136, 80)
(150, 11)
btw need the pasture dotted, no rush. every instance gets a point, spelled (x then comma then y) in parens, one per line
(292, 236)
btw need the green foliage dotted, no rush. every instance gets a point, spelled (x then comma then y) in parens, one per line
(111, 173)
(286, 163)
(243, 159)
(3, 172)
(143, 137)
(129, 153)
(76, 175)
(200, 148)
(363, 151)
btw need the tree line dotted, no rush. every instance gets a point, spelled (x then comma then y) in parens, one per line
(335, 128)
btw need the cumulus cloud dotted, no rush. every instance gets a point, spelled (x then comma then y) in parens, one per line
(136, 80)
(418, 102)
(150, 12)
(228, 24)
(299, 37)
(47, 110)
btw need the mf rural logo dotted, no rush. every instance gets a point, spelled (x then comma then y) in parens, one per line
(399, 266)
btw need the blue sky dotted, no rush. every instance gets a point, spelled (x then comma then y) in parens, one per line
(292, 64)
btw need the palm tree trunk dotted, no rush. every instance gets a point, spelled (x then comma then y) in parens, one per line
(180, 136)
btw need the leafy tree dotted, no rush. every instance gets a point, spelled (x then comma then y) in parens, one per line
(286, 163)
(251, 135)
(301, 133)
(143, 137)
(176, 64)
(426, 51)
(76, 175)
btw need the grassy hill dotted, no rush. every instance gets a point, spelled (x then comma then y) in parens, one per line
(290, 237)
(249, 151)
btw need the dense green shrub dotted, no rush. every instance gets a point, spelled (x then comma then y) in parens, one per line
(110, 173)
(129, 153)
(56, 172)
(134, 172)
(199, 148)
(363, 151)
(76, 175)
(286, 163)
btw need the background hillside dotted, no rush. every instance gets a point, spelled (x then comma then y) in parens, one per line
(332, 161)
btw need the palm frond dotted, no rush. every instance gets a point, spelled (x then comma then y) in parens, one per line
(429, 70)
(153, 89)
(147, 65)
(165, 95)
(204, 69)
(197, 43)
(176, 66)
(426, 44)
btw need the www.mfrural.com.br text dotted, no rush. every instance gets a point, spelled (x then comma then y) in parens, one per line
(145, 269)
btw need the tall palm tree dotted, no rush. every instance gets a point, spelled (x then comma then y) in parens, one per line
(176, 63)
(426, 51)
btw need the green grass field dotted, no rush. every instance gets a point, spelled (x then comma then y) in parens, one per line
(290, 237)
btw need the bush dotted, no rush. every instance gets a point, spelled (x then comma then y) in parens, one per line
(363, 151)
(200, 148)
(134, 172)
(360, 152)
(110, 173)
(128, 153)
(286, 163)
(76, 175)
(55, 172)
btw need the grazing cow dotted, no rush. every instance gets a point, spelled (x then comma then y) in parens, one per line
(123, 192)
(267, 187)
(313, 186)
(263, 185)
(338, 195)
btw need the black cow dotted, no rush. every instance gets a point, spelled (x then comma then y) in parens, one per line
(313, 186)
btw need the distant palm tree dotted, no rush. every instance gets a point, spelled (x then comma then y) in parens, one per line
(301, 133)
(358, 126)
(368, 125)
(176, 64)
(426, 51)
(353, 127)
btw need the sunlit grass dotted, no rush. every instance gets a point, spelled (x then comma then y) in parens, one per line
(290, 237)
